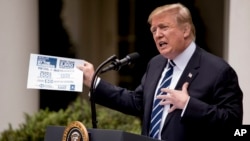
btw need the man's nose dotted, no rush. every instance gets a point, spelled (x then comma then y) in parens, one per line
(158, 33)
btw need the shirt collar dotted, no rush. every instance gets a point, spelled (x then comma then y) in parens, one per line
(182, 59)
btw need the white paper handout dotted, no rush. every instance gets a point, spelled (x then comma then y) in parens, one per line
(54, 73)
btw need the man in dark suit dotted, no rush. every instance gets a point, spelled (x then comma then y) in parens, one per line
(203, 100)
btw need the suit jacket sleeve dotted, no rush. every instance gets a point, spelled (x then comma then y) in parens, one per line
(120, 99)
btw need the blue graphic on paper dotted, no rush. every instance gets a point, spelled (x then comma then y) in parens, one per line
(72, 87)
(49, 62)
(65, 64)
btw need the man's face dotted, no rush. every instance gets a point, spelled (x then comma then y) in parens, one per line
(169, 37)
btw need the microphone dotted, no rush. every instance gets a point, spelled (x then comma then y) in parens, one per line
(117, 64)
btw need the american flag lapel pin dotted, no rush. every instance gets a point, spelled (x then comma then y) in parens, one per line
(190, 75)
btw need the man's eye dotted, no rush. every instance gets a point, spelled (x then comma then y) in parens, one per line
(165, 27)
(153, 30)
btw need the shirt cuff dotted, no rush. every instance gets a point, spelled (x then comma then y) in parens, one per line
(96, 84)
(184, 109)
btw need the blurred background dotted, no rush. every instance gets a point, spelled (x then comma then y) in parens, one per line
(93, 30)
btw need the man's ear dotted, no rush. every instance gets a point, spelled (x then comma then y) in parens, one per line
(186, 30)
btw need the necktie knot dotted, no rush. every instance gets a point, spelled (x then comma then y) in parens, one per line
(171, 63)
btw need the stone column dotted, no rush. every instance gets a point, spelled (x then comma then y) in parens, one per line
(18, 38)
(237, 37)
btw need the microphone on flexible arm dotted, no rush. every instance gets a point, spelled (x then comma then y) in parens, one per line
(117, 64)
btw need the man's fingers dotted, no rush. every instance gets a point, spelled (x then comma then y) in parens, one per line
(185, 87)
(171, 109)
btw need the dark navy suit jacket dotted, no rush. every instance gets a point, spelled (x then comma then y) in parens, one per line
(215, 105)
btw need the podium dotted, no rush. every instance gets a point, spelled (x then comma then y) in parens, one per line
(55, 133)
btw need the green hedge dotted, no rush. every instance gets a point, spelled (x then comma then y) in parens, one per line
(33, 129)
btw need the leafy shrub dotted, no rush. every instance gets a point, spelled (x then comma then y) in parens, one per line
(34, 127)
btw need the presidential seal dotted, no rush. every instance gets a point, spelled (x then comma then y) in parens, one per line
(75, 131)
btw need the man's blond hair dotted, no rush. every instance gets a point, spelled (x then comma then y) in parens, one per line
(182, 15)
